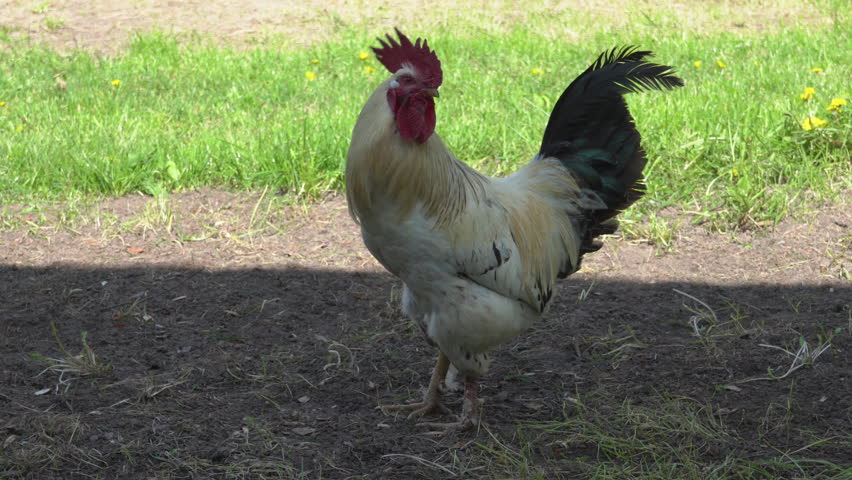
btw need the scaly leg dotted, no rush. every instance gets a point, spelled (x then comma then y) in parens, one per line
(470, 417)
(432, 400)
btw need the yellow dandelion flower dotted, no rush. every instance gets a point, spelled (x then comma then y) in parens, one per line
(2, 104)
(696, 64)
(734, 171)
(816, 70)
(369, 70)
(363, 56)
(720, 64)
(836, 104)
(19, 128)
(116, 83)
(537, 71)
(811, 123)
(310, 76)
(808, 93)
(314, 61)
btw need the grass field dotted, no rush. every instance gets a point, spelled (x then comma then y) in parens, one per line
(198, 333)
(169, 114)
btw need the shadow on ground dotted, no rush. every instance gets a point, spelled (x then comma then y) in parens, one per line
(276, 373)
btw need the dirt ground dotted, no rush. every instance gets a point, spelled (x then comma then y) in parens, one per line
(242, 348)
(106, 26)
(237, 337)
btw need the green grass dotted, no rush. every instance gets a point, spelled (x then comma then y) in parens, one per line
(728, 148)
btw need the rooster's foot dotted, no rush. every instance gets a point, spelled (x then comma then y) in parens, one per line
(466, 423)
(418, 409)
(471, 409)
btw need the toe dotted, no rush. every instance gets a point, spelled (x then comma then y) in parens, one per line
(462, 425)
(429, 408)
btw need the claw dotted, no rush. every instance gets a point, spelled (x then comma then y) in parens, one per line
(419, 409)
(463, 425)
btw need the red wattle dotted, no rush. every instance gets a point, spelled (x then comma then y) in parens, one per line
(415, 115)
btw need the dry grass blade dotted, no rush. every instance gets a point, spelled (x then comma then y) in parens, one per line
(335, 359)
(84, 364)
(801, 357)
(422, 461)
(152, 387)
(699, 316)
(585, 292)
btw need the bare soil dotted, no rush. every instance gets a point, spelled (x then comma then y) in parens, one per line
(249, 339)
(106, 26)
(248, 348)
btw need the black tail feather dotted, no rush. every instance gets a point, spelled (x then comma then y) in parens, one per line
(592, 132)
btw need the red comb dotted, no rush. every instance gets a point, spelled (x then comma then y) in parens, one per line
(394, 55)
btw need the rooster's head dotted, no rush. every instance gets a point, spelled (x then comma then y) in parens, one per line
(414, 85)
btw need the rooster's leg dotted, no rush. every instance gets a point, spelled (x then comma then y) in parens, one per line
(470, 410)
(432, 401)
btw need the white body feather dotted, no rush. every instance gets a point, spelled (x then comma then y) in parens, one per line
(479, 256)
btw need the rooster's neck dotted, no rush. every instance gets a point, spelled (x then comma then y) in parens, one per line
(385, 171)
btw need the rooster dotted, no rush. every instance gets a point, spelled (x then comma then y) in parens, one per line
(480, 256)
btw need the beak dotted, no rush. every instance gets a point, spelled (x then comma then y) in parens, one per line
(432, 91)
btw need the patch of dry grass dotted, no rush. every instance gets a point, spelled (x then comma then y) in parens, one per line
(105, 26)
